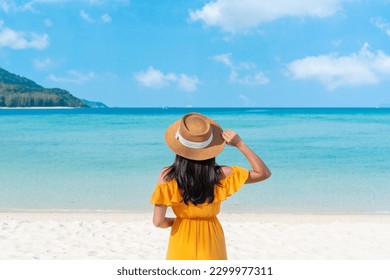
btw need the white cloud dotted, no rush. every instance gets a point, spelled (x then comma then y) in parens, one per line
(154, 78)
(33, 5)
(257, 78)
(240, 16)
(188, 83)
(10, 6)
(22, 40)
(224, 59)
(6, 6)
(245, 100)
(363, 67)
(48, 1)
(85, 16)
(110, 2)
(382, 25)
(42, 63)
(106, 18)
(244, 73)
(48, 22)
(95, 2)
(73, 76)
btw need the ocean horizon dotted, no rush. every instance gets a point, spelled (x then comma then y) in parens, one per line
(323, 160)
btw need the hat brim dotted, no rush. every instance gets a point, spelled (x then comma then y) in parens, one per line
(212, 150)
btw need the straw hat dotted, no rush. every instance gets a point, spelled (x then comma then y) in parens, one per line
(195, 137)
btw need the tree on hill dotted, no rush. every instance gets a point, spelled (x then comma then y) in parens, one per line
(17, 91)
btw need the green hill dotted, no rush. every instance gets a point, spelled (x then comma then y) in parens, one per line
(17, 91)
(94, 104)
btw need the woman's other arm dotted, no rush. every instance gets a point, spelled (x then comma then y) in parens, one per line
(159, 219)
(259, 170)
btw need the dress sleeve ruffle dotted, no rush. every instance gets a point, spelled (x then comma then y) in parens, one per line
(231, 184)
(166, 193)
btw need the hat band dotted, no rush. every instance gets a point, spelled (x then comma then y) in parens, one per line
(193, 145)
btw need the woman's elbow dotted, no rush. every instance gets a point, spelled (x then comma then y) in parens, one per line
(264, 176)
(267, 174)
(261, 176)
(157, 222)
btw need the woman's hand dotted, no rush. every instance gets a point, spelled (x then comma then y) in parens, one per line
(232, 138)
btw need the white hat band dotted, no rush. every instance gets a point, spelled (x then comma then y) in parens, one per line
(193, 145)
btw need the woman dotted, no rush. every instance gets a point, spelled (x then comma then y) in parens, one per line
(194, 186)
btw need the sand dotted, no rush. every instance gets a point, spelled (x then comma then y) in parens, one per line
(121, 235)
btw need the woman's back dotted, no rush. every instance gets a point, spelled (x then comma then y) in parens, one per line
(196, 228)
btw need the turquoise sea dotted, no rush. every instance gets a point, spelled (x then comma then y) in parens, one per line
(322, 160)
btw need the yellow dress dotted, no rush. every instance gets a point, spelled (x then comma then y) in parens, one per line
(196, 233)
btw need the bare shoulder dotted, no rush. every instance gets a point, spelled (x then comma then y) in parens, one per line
(163, 173)
(227, 170)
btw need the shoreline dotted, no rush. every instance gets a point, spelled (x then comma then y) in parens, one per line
(206, 108)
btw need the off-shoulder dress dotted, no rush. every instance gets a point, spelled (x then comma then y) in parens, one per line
(196, 233)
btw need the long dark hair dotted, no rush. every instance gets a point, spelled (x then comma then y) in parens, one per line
(195, 179)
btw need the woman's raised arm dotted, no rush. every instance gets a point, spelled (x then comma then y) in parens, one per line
(259, 170)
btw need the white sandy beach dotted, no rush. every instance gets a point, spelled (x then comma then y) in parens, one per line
(109, 235)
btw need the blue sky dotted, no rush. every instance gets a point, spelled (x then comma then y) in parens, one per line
(140, 53)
